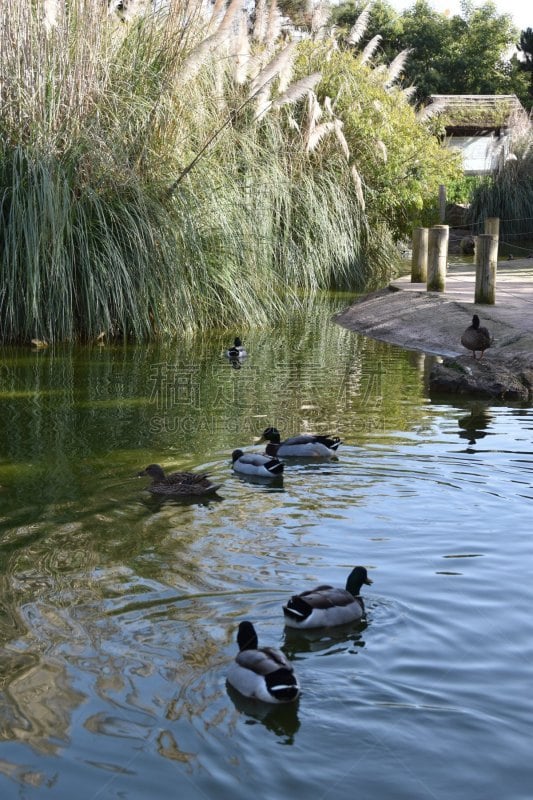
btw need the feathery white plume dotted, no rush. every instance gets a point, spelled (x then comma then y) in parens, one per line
(431, 110)
(260, 21)
(298, 89)
(396, 66)
(51, 14)
(278, 63)
(370, 48)
(409, 92)
(318, 134)
(382, 148)
(358, 187)
(198, 54)
(358, 30)
(273, 26)
(242, 54)
(341, 138)
(262, 102)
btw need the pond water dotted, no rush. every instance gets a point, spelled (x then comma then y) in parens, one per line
(118, 614)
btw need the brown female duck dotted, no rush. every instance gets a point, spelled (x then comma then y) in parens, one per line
(182, 484)
(476, 337)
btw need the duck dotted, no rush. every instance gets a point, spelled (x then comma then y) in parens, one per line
(327, 606)
(256, 464)
(263, 673)
(476, 337)
(183, 484)
(236, 350)
(305, 445)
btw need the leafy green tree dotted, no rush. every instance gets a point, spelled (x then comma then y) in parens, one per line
(526, 48)
(467, 53)
(398, 162)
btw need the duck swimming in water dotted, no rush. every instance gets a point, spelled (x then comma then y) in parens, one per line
(237, 350)
(476, 337)
(183, 484)
(256, 464)
(327, 606)
(305, 445)
(264, 673)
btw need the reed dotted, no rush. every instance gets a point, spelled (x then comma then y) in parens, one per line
(509, 193)
(142, 194)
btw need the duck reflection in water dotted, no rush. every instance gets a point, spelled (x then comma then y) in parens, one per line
(314, 640)
(281, 720)
(474, 425)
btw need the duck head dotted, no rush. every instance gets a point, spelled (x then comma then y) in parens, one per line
(356, 578)
(270, 435)
(154, 471)
(246, 636)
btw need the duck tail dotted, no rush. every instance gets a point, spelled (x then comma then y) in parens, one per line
(282, 685)
(331, 442)
(275, 466)
(297, 609)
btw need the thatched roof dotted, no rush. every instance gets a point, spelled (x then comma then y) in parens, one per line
(469, 112)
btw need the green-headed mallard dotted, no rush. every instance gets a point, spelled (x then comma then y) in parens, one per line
(326, 606)
(183, 484)
(264, 673)
(256, 464)
(476, 337)
(305, 445)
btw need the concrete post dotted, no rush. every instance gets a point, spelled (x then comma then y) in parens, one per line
(419, 258)
(437, 258)
(486, 264)
(492, 225)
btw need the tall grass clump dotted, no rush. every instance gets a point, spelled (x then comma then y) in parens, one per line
(509, 193)
(164, 170)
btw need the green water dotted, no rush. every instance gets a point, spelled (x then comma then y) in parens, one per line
(118, 614)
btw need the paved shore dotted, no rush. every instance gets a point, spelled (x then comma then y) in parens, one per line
(407, 315)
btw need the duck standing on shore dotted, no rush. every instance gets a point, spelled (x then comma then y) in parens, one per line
(476, 337)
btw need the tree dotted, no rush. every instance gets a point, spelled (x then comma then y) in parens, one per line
(526, 47)
(467, 53)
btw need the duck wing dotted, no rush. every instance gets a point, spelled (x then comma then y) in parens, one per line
(324, 597)
(255, 459)
(263, 661)
(331, 442)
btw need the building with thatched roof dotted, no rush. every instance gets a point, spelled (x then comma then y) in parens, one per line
(480, 126)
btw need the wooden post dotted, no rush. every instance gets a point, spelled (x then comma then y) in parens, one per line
(492, 225)
(437, 258)
(486, 264)
(419, 258)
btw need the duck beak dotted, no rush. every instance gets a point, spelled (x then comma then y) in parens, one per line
(142, 474)
(369, 581)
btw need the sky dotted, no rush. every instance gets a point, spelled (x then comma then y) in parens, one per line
(520, 10)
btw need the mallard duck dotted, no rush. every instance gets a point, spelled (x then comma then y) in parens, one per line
(262, 672)
(326, 606)
(237, 350)
(256, 464)
(305, 445)
(184, 484)
(476, 337)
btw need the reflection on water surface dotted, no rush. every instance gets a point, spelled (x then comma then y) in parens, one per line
(118, 612)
